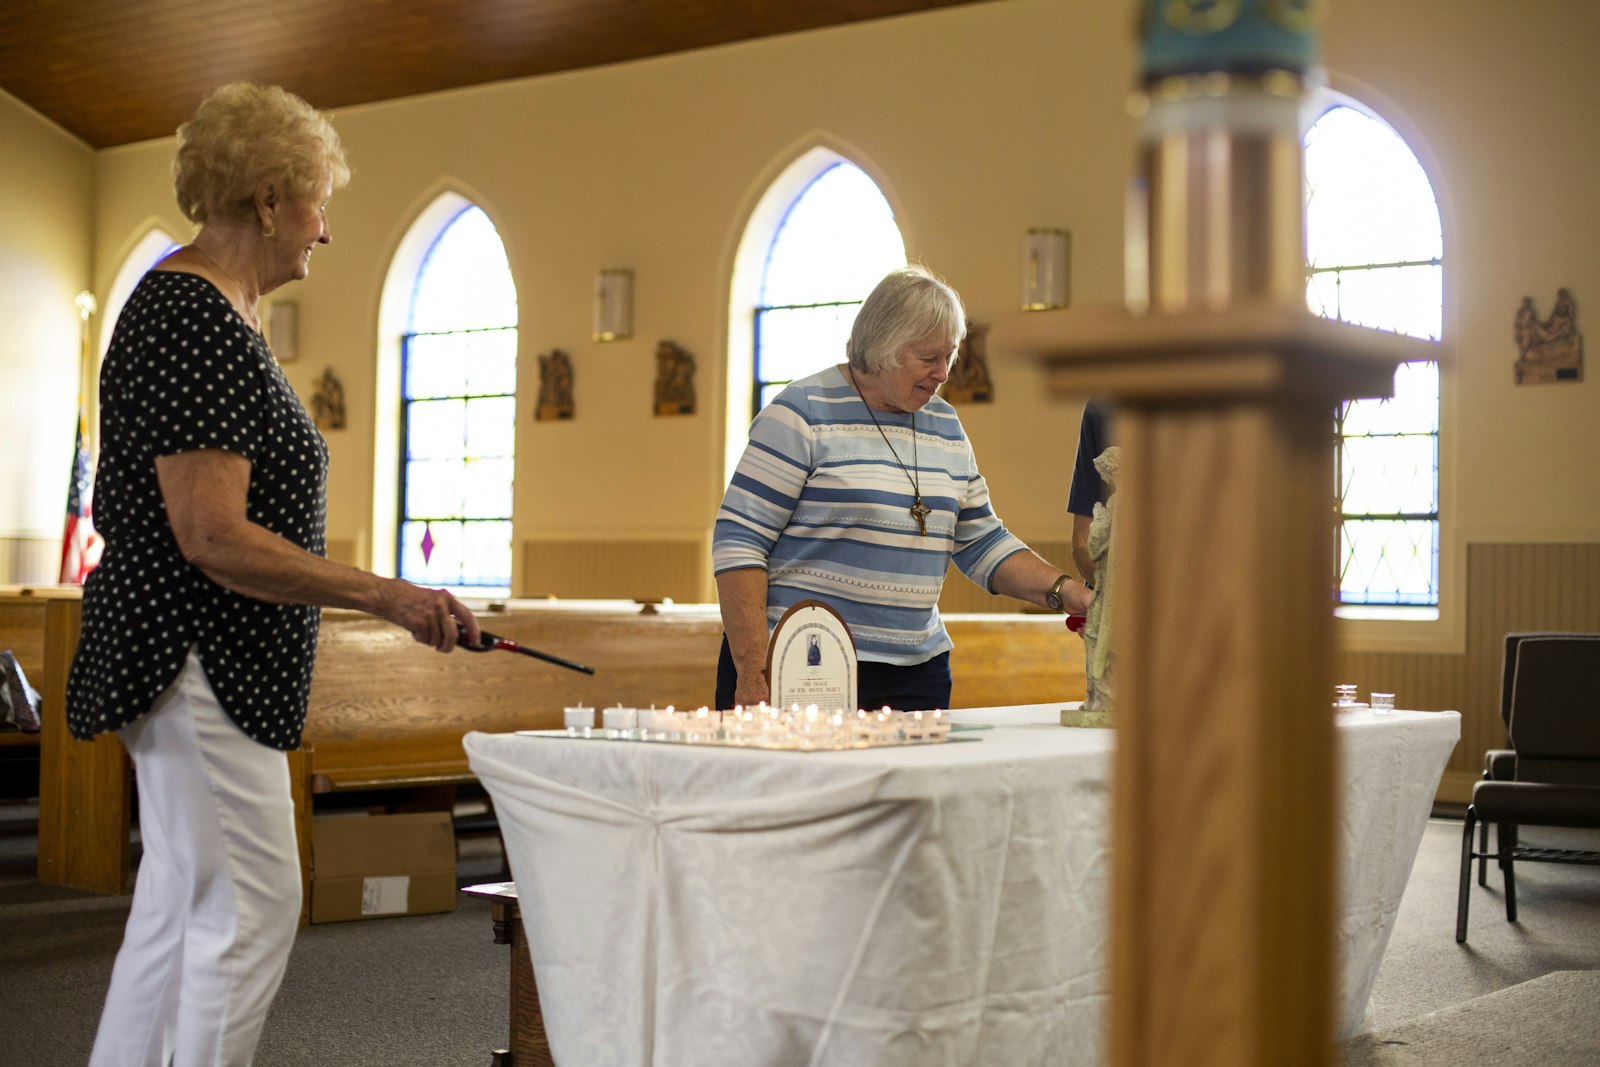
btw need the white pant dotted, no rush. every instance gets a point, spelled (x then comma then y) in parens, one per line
(217, 900)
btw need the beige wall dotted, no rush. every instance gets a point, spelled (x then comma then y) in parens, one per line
(46, 188)
(980, 122)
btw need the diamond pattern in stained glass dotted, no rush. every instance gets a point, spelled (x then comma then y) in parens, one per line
(1390, 562)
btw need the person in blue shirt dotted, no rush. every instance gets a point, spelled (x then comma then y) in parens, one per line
(1088, 488)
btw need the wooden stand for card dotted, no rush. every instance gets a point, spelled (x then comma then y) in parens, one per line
(811, 659)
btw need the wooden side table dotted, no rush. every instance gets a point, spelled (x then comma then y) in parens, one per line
(529, 1047)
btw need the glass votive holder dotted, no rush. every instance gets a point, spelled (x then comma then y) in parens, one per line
(579, 721)
(1383, 703)
(1344, 694)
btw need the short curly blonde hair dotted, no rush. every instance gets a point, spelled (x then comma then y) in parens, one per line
(245, 134)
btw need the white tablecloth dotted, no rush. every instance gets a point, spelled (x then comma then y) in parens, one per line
(919, 906)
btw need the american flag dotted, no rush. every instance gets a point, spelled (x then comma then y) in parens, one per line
(80, 548)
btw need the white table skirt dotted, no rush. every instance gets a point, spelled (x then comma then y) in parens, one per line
(919, 906)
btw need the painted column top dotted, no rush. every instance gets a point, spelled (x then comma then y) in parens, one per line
(1180, 37)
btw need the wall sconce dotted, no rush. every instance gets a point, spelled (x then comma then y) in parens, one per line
(283, 319)
(1045, 255)
(613, 306)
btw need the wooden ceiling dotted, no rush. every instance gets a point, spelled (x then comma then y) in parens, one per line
(117, 71)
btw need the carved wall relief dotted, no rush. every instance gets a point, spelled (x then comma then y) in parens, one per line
(1552, 350)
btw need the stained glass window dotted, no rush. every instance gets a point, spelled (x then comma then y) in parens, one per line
(1375, 250)
(837, 240)
(458, 381)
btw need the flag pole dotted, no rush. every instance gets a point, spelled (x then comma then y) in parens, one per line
(80, 545)
(87, 306)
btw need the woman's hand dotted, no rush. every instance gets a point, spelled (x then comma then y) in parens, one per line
(430, 615)
(742, 597)
(1076, 597)
(753, 688)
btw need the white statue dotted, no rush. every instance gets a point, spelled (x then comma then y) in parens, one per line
(1099, 661)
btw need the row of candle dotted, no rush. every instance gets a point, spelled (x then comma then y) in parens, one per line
(762, 726)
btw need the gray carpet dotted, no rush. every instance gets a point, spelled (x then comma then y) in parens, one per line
(1552, 1021)
(411, 991)
(430, 991)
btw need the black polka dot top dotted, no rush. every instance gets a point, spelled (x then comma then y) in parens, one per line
(184, 372)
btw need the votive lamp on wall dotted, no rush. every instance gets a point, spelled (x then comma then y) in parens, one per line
(1045, 257)
(613, 306)
(283, 329)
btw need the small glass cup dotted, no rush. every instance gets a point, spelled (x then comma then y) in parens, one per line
(1383, 703)
(1344, 695)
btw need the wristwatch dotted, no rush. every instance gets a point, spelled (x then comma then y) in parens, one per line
(1053, 597)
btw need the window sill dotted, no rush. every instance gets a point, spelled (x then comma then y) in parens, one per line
(1404, 630)
(1387, 612)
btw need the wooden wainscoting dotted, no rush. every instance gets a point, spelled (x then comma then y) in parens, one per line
(619, 570)
(960, 596)
(29, 560)
(1510, 587)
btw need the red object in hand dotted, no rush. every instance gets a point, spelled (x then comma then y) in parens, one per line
(1075, 623)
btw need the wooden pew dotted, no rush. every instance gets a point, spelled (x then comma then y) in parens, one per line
(85, 787)
(21, 632)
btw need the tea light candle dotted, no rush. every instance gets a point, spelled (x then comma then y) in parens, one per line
(701, 726)
(579, 721)
(619, 721)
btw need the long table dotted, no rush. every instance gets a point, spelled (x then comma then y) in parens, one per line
(920, 906)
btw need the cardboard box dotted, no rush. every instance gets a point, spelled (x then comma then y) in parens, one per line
(371, 866)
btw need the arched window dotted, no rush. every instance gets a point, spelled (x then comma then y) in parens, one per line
(1375, 249)
(837, 239)
(458, 380)
(150, 249)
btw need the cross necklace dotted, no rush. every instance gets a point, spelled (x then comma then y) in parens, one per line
(918, 509)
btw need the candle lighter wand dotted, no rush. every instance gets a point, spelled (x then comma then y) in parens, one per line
(489, 642)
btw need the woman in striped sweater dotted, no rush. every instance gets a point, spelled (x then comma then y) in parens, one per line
(859, 488)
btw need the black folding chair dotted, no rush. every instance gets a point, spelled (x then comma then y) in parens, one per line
(1555, 733)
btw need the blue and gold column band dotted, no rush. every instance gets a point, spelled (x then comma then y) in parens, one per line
(1181, 37)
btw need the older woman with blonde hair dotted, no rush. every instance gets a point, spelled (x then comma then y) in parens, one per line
(859, 489)
(200, 623)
